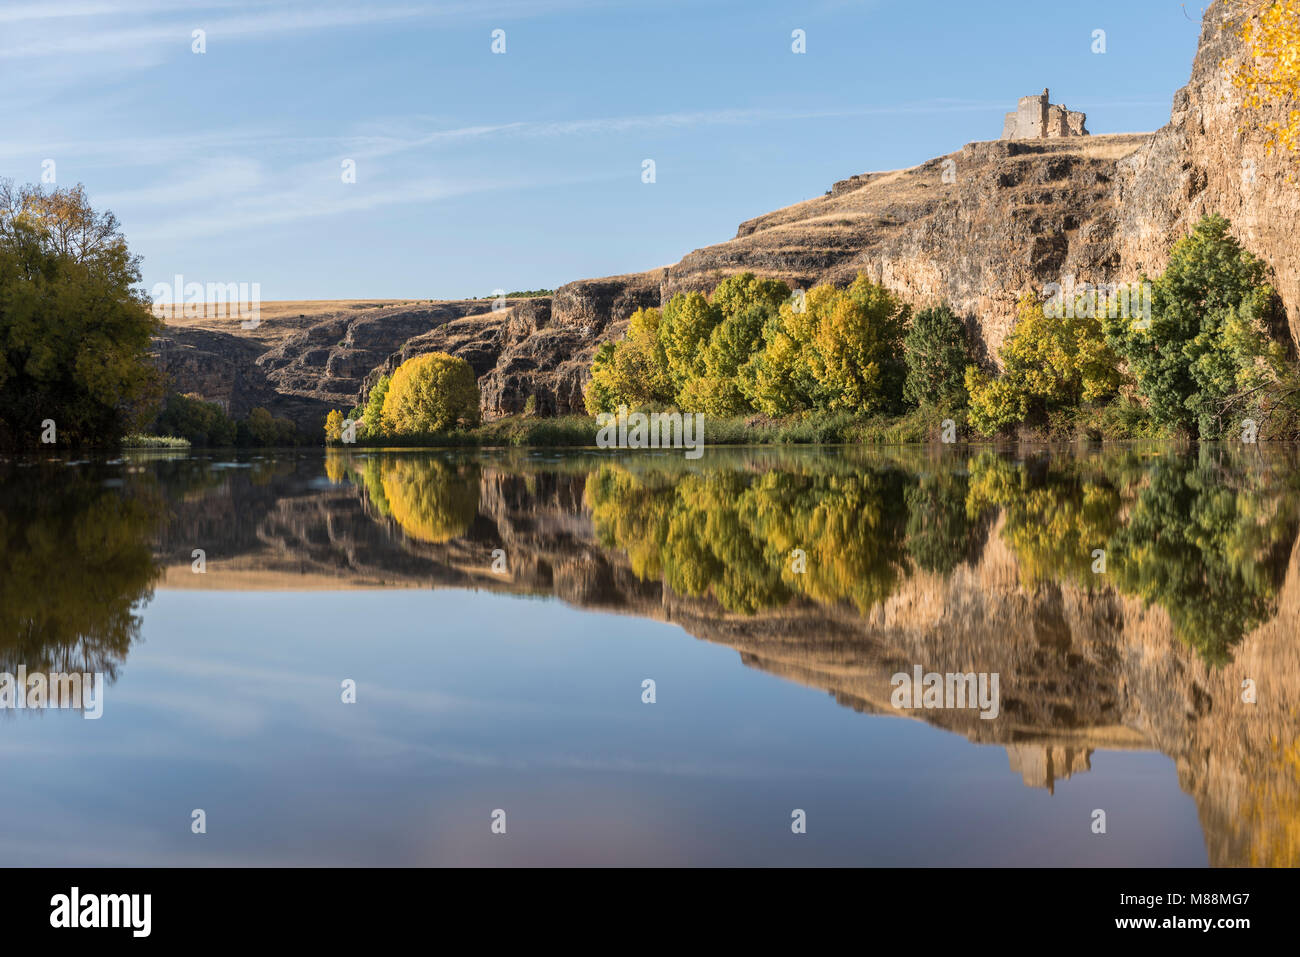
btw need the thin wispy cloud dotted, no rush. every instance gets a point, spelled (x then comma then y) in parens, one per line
(319, 198)
(268, 19)
(250, 137)
(398, 135)
(27, 12)
(222, 188)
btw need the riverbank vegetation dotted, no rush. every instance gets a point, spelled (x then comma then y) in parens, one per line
(1205, 533)
(1209, 359)
(428, 399)
(75, 327)
(207, 425)
(1203, 360)
(140, 441)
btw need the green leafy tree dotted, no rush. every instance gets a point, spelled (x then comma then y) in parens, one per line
(1059, 361)
(374, 413)
(996, 404)
(857, 354)
(204, 424)
(741, 305)
(691, 354)
(263, 430)
(1206, 344)
(731, 345)
(745, 291)
(74, 329)
(432, 393)
(688, 321)
(836, 350)
(937, 354)
(778, 379)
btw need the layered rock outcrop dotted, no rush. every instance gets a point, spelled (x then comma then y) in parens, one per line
(975, 228)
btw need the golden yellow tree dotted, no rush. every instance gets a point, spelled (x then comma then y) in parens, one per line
(334, 426)
(431, 393)
(1271, 75)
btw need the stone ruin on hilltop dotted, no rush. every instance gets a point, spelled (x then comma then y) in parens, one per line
(1035, 118)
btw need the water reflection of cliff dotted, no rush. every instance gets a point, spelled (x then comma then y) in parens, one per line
(955, 562)
(977, 563)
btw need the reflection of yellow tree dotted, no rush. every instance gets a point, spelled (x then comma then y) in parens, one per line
(1053, 522)
(851, 526)
(75, 561)
(432, 501)
(1273, 809)
(731, 534)
(337, 466)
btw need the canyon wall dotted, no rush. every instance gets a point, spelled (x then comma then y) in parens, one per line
(1212, 157)
(976, 228)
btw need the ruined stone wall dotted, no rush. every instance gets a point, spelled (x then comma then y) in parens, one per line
(1037, 118)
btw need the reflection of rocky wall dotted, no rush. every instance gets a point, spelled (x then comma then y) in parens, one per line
(1081, 670)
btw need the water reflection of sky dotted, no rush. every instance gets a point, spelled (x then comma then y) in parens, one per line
(469, 701)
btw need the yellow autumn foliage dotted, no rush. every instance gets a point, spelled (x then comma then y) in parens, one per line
(1271, 76)
(431, 393)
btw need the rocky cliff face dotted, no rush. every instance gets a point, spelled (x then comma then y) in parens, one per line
(1212, 158)
(548, 350)
(304, 361)
(330, 359)
(534, 348)
(976, 228)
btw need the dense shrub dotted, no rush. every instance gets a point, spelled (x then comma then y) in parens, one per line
(1049, 363)
(373, 417)
(431, 393)
(203, 424)
(1206, 346)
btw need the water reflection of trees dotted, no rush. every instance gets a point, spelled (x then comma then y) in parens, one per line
(1211, 546)
(1205, 536)
(430, 499)
(733, 534)
(76, 559)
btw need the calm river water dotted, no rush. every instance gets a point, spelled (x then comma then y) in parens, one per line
(390, 658)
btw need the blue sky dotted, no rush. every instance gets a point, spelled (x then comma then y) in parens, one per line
(477, 171)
